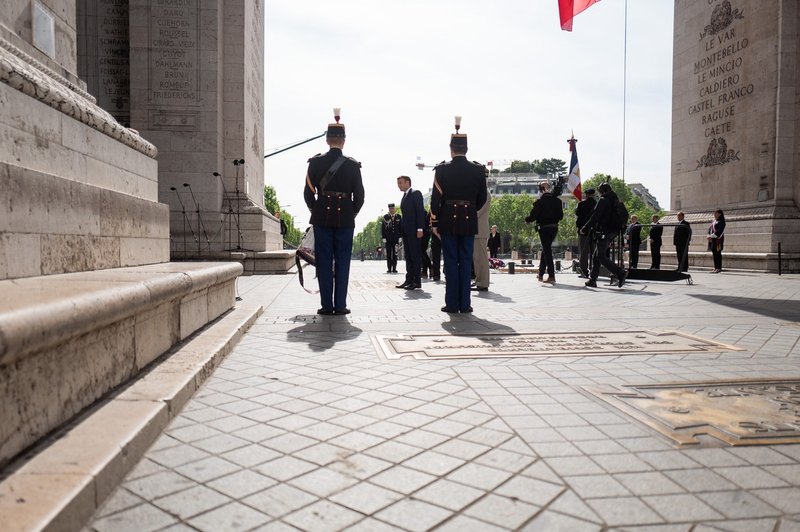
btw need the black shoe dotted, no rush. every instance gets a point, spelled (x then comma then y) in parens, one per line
(413, 286)
(591, 282)
(388, 271)
(437, 278)
(325, 312)
(342, 312)
(449, 310)
(394, 271)
(479, 288)
(404, 285)
(467, 310)
(621, 280)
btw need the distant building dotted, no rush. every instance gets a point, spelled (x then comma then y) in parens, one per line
(640, 191)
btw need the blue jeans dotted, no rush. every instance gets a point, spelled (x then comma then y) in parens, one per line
(457, 252)
(332, 249)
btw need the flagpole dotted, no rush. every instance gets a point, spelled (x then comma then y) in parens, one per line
(624, 87)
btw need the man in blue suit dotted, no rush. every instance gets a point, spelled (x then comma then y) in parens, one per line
(413, 224)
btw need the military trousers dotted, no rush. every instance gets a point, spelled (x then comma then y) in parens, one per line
(332, 249)
(457, 251)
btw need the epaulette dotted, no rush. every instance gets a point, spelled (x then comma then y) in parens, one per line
(443, 163)
(351, 159)
(314, 157)
(477, 163)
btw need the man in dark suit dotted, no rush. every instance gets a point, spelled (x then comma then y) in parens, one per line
(681, 239)
(459, 190)
(391, 232)
(413, 225)
(656, 230)
(633, 234)
(334, 194)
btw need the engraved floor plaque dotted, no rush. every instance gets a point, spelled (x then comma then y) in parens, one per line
(441, 346)
(752, 412)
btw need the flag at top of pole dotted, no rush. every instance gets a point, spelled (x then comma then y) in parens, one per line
(574, 179)
(568, 9)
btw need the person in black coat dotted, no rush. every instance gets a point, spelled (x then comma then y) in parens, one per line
(334, 193)
(601, 222)
(547, 211)
(633, 235)
(681, 239)
(656, 230)
(585, 242)
(459, 190)
(391, 233)
(716, 238)
(494, 242)
(413, 230)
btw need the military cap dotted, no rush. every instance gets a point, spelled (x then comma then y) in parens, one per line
(458, 140)
(391, 205)
(336, 130)
(590, 191)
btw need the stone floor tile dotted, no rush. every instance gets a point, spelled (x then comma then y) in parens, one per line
(462, 523)
(285, 468)
(573, 465)
(738, 504)
(207, 469)
(465, 450)
(192, 501)
(323, 516)
(194, 432)
(121, 499)
(323, 454)
(681, 507)
(146, 467)
(451, 495)
(758, 455)
(289, 443)
(648, 483)
(413, 515)
(556, 522)
(220, 443)
(158, 485)
(250, 455)
(699, 480)
(556, 449)
(597, 486)
(421, 438)
(604, 446)
(233, 516)
(279, 500)
(568, 503)
(506, 460)
(486, 436)
(479, 476)
(323, 482)
(394, 451)
(276, 526)
(715, 457)
(241, 484)
(663, 460)
(785, 499)
(142, 518)
(385, 429)
(620, 511)
(258, 433)
(789, 473)
(433, 462)
(172, 457)
(749, 477)
(366, 498)
(322, 431)
(402, 479)
(621, 463)
(497, 509)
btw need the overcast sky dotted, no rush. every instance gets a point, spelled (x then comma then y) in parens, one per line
(400, 71)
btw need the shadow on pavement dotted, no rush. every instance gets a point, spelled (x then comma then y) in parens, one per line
(471, 325)
(416, 294)
(774, 308)
(324, 333)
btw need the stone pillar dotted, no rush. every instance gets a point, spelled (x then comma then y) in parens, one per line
(735, 124)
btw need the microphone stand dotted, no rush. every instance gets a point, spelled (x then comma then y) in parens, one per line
(237, 163)
(183, 211)
(230, 208)
(199, 221)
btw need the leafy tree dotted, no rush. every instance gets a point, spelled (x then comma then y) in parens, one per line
(271, 203)
(369, 238)
(518, 167)
(550, 167)
(632, 202)
(508, 213)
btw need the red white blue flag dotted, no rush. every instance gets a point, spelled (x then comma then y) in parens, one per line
(568, 9)
(574, 179)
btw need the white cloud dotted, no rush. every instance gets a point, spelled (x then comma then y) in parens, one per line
(400, 71)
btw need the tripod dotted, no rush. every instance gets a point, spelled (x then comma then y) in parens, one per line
(183, 212)
(199, 221)
(240, 237)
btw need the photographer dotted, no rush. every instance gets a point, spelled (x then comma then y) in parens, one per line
(547, 212)
(601, 221)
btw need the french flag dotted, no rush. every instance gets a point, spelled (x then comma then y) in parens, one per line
(574, 179)
(568, 9)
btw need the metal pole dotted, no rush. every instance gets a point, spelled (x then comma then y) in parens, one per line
(779, 258)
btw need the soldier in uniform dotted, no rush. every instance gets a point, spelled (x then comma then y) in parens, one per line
(459, 191)
(391, 231)
(334, 194)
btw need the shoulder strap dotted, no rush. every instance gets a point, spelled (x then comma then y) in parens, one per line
(331, 171)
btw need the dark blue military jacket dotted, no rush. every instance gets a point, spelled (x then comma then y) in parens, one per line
(339, 203)
(459, 190)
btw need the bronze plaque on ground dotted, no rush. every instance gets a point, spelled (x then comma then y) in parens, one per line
(751, 412)
(440, 346)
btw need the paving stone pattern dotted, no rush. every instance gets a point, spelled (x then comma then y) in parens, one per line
(304, 427)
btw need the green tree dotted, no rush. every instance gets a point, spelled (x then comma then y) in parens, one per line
(518, 167)
(550, 167)
(632, 202)
(271, 203)
(508, 213)
(369, 238)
